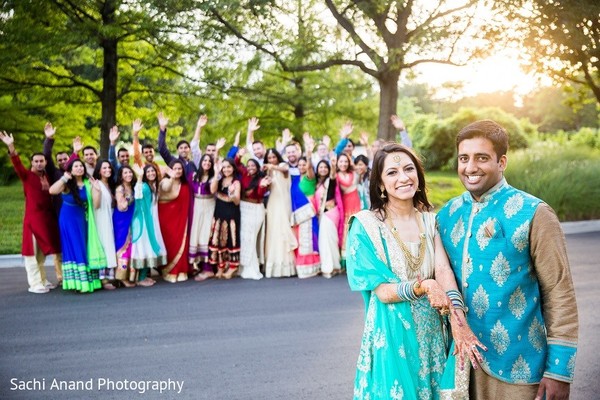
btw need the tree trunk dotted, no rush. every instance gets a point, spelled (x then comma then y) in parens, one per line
(388, 101)
(109, 80)
(299, 106)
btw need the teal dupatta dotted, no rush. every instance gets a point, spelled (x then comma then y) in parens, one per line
(142, 218)
(95, 251)
(403, 353)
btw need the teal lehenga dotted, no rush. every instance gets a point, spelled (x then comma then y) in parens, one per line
(405, 346)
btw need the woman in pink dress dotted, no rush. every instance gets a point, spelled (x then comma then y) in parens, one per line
(347, 181)
(329, 205)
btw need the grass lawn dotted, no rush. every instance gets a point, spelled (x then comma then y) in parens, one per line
(442, 186)
(11, 218)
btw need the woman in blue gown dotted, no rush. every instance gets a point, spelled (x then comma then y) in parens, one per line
(73, 227)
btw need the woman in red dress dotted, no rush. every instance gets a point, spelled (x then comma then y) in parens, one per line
(173, 205)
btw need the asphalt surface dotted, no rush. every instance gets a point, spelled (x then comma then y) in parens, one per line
(238, 339)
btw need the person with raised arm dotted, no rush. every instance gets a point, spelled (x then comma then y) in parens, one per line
(254, 187)
(40, 227)
(195, 143)
(308, 261)
(345, 145)
(402, 132)
(183, 148)
(304, 223)
(122, 156)
(255, 147)
(146, 150)
(62, 157)
(55, 172)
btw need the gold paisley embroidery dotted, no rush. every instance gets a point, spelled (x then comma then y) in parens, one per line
(513, 205)
(499, 338)
(457, 232)
(517, 303)
(520, 373)
(520, 239)
(500, 270)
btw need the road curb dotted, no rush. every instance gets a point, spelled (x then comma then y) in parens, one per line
(569, 228)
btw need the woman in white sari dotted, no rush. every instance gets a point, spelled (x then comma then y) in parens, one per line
(254, 187)
(280, 240)
(103, 198)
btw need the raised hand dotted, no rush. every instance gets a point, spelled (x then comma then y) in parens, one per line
(309, 142)
(236, 140)
(162, 121)
(49, 131)
(202, 121)
(397, 122)
(242, 152)
(167, 171)
(220, 143)
(346, 130)
(286, 136)
(265, 182)
(138, 170)
(326, 141)
(113, 135)
(67, 176)
(77, 144)
(253, 124)
(7, 138)
(364, 139)
(136, 127)
(95, 183)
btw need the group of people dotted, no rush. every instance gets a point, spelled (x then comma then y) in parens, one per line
(256, 211)
(484, 283)
(475, 301)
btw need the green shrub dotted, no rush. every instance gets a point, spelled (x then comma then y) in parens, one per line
(588, 137)
(435, 139)
(564, 176)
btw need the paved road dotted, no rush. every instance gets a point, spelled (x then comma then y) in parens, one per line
(238, 339)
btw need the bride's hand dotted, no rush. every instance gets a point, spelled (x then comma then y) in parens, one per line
(465, 341)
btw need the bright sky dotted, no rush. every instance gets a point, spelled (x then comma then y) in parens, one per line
(500, 72)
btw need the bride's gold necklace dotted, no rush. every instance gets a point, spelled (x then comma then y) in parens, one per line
(414, 263)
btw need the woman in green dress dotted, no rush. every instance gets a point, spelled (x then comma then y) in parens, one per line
(397, 261)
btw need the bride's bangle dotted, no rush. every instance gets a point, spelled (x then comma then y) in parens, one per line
(406, 292)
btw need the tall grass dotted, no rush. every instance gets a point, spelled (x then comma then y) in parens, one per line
(566, 176)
